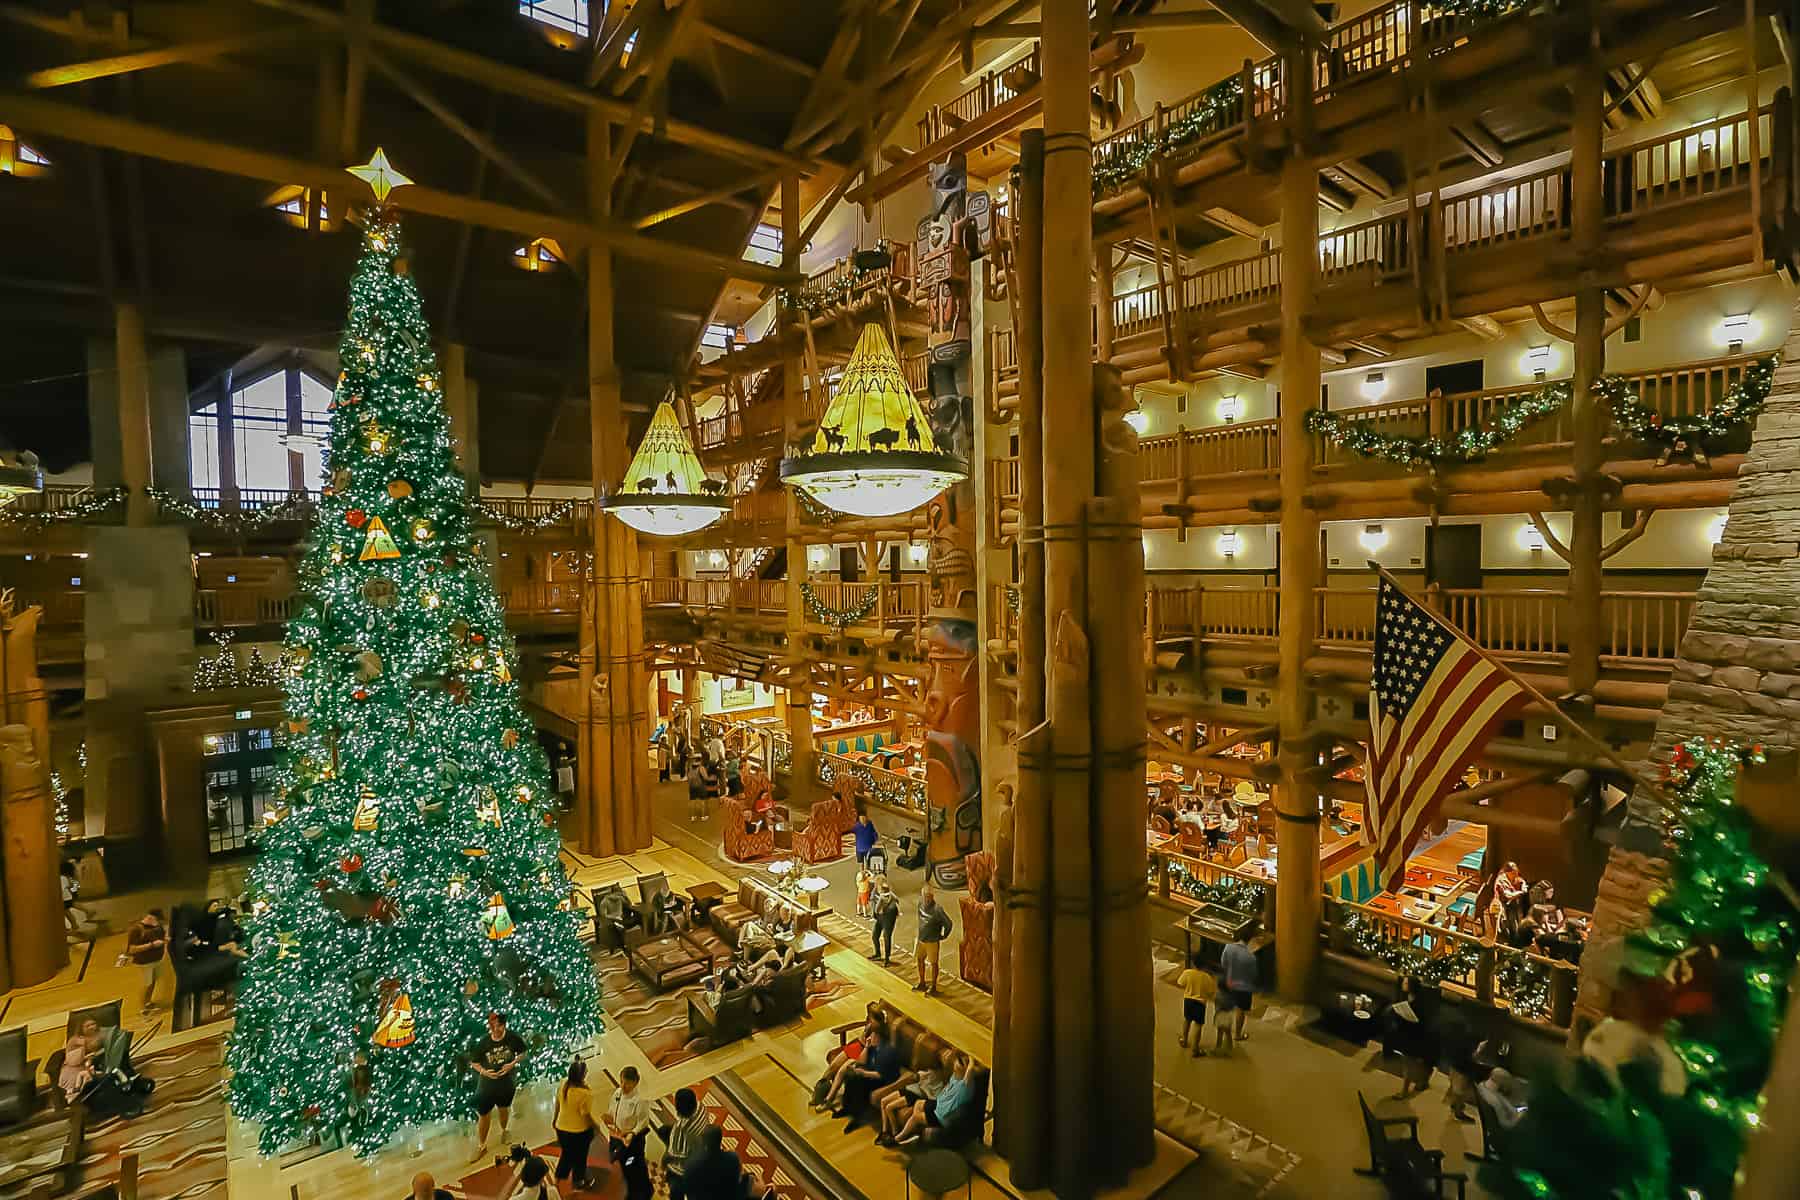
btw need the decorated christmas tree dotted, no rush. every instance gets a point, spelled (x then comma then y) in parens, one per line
(408, 881)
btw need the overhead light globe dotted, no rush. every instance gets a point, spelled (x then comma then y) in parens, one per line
(665, 492)
(873, 454)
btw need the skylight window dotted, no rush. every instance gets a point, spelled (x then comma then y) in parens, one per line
(291, 204)
(542, 254)
(570, 16)
(16, 158)
(27, 154)
(716, 337)
(765, 245)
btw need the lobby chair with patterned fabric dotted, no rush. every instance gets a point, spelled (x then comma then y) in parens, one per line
(740, 844)
(975, 953)
(821, 839)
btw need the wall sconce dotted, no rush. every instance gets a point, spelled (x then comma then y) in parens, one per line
(1709, 138)
(1735, 330)
(816, 556)
(1139, 420)
(1374, 386)
(1539, 359)
(1228, 543)
(915, 553)
(1715, 530)
(1230, 409)
(715, 558)
(1531, 538)
(1373, 538)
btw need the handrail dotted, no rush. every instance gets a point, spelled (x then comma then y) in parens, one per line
(217, 608)
(890, 789)
(1641, 626)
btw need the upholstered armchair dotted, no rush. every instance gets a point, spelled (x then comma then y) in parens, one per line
(821, 839)
(975, 954)
(741, 846)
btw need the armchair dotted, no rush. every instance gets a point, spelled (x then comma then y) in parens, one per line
(741, 845)
(722, 1021)
(821, 839)
(613, 915)
(975, 953)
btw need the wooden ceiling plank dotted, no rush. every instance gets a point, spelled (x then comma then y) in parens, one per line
(357, 19)
(831, 71)
(656, 74)
(530, 85)
(1258, 22)
(144, 60)
(768, 54)
(73, 123)
(719, 195)
(612, 47)
(482, 144)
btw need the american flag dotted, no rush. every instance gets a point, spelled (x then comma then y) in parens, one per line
(1434, 701)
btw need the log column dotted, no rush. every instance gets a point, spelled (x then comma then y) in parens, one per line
(616, 809)
(1297, 903)
(35, 947)
(460, 404)
(1587, 419)
(134, 410)
(801, 776)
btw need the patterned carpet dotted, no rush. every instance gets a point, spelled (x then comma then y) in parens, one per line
(965, 998)
(180, 1138)
(658, 1024)
(762, 1162)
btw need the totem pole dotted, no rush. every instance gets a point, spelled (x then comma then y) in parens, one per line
(949, 238)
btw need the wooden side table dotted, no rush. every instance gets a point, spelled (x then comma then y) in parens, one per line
(938, 1173)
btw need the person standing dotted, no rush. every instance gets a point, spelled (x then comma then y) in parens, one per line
(887, 915)
(574, 1124)
(496, 1061)
(1241, 975)
(683, 1141)
(934, 927)
(628, 1117)
(1198, 989)
(734, 774)
(699, 785)
(665, 756)
(864, 831)
(146, 945)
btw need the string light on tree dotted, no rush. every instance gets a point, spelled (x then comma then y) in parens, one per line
(374, 955)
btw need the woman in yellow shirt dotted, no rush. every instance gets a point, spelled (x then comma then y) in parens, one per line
(1198, 988)
(574, 1125)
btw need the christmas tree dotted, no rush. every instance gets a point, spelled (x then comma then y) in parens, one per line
(408, 881)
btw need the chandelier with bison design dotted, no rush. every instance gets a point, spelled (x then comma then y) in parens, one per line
(873, 454)
(665, 490)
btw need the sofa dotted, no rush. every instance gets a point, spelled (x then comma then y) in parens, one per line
(821, 839)
(18, 1078)
(742, 846)
(975, 953)
(917, 1045)
(753, 902)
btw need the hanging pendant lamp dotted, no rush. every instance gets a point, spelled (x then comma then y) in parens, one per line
(873, 455)
(665, 491)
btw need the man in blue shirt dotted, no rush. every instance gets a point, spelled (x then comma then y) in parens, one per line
(880, 1066)
(1239, 962)
(864, 829)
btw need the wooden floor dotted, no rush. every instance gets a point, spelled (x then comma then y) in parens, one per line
(779, 1065)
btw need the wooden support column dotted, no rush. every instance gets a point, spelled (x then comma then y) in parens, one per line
(227, 449)
(1297, 903)
(1103, 310)
(1587, 417)
(459, 403)
(616, 808)
(35, 949)
(799, 708)
(134, 410)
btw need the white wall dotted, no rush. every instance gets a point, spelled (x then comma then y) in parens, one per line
(1403, 550)
(1165, 551)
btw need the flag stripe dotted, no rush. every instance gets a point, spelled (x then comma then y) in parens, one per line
(1463, 687)
(1480, 715)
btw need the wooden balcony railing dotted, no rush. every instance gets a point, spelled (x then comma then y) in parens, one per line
(250, 499)
(566, 514)
(1528, 623)
(1225, 614)
(1211, 451)
(55, 497)
(900, 793)
(993, 89)
(63, 609)
(1686, 165)
(225, 608)
(902, 603)
(541, 600)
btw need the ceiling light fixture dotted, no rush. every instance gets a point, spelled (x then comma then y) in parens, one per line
(666, 492)
(1373, 538)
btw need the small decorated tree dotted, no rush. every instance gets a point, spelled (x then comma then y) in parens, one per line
(408, 882)
(1664, 1094)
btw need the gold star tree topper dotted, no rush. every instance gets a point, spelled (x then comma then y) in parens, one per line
(381, 175)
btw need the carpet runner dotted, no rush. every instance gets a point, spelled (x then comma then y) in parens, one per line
(965, 998)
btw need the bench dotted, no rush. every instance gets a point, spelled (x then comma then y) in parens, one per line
(1407, 1169)
(917, 1044)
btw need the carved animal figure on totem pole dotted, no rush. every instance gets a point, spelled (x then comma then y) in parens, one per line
(952, 750)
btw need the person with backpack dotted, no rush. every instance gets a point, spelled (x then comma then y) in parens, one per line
(934, 927)
(887, 915)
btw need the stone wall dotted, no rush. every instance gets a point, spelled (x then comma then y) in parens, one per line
(1738, 673)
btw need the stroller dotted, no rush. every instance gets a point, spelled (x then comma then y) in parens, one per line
(877, 862)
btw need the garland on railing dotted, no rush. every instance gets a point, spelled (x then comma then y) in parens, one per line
(885, 787)
(1242, 895)
(1403, 958)
(1524, 984)
(812, 299)
(1116, 166)
(297, 507)
(1463, 446)
(1692, 437)
(1013, 598)
(507, 521)
(812, 512)
(1687, 437)
(87, 508)
(817, 610)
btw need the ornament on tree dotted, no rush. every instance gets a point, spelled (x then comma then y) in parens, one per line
(336, 554)
(351, 864)
(429, 599)
(459, 691)
(380, 591)
(496, 922)
(399, 489)
(459, 887)
(470, 987)
(368, 812)
(287, 945)
(379, 545)
(501, 672)
(340, 480)
(377, 439)
(356, 518)
(423, 530)
(300, 726)
(360, 695)
(487, 809)
(368, 666)
(383, 910)
(459, 630)
(509, 739)
(395, 1029)
(523, 793)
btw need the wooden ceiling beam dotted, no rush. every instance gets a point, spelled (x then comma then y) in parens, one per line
(529, 85)
(767, 54)
(465, 235)
(144, 60)
(657, 64)
(34, 113)
(720, 195)
(612, 46)
(1258, 22)
(831, 71)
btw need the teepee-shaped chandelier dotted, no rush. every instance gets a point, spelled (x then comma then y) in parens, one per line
(873, 455)
(665, 490)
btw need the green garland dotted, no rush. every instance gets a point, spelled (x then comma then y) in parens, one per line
(1690, 436)
(813, 299)
(86, 509)
(1403, 958)
(812, 512)
(1706, 981)
(297, 507)
(1242, 895)
(1215, 109)
(1524, 984)
(507, 521)
(1463, 446)
(817, 610)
